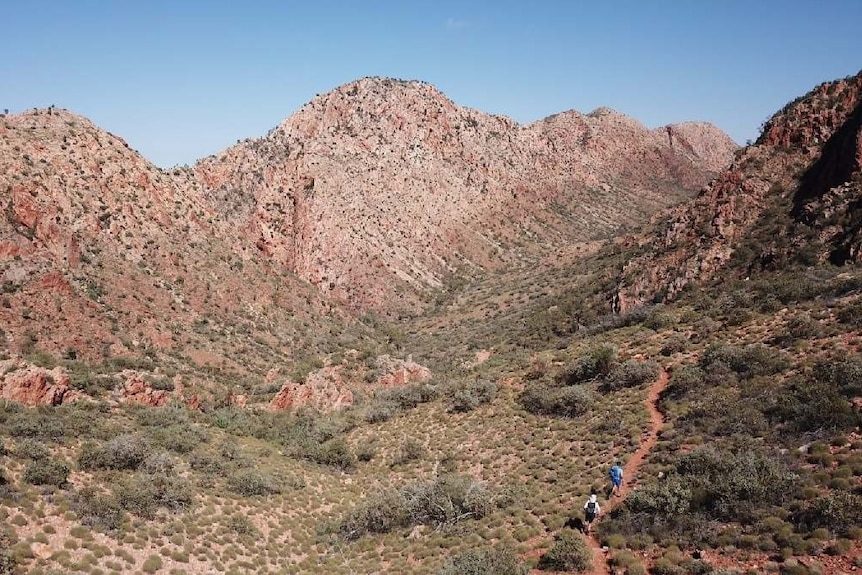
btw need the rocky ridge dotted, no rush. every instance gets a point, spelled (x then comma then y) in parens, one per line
(798, 186)
(384, 184)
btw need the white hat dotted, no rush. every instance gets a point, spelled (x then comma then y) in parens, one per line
(593, 497)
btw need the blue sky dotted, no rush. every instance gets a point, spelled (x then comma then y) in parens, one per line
(183, 79)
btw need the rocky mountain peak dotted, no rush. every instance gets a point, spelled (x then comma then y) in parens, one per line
(418, 188)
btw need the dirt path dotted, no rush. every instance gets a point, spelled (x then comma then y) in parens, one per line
(649, 438)
(630, 472)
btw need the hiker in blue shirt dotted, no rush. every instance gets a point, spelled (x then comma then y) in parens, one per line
(616, 474)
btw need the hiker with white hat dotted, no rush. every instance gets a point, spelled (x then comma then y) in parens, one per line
(591, 511)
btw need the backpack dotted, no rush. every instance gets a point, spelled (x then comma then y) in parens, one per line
(591, 507)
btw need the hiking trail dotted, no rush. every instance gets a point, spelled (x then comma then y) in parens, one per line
(648, 441)
(630, 471)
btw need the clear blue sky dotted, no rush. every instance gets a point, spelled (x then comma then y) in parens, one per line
(181, 79)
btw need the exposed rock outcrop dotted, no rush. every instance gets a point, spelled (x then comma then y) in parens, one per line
(806, 167)
(397, 372)
(136, 389)
(329, 389)
(31, 385)
(323, 390)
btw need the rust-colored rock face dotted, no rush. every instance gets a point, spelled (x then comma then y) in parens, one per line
(31, 385)
(807, 158)
(330, 389)
(102, 254)
(323, 390)
(137, 390)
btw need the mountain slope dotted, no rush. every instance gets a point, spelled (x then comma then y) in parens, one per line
(379, 190)
(102, 255)
(792, 196)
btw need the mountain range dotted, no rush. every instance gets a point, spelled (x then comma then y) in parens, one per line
(399, 335)
(369, 198)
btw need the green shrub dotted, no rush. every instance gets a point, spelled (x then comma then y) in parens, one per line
(722, 411)
(674, 344)
(206, 464)
(152, 564)
(160, 463)
(569, 552)
(446, 500)
(852, 314)
(384, 511)
(597, 362)
(664, 499)
(143, 494)
(684, 381)
(35, 424)
(122, 452)
(490, 561)
(334, 453)
(429, 392)
(658, 320)
(844, 373)
(46, 472)
(630, 373)
(811, 405)
(235, 420)
(242, 525)
(569, 401)
(168, 416)
(379, 412)
(403, 397)
(410, 450)
(627, 560)
(366, 451)
(387, 402)
(745, 362)
(252, 482)
(179, 438)
(734, 485)
(97, 510)
(473, 395)
(803, 327)
(29, 448)
(838, 511)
